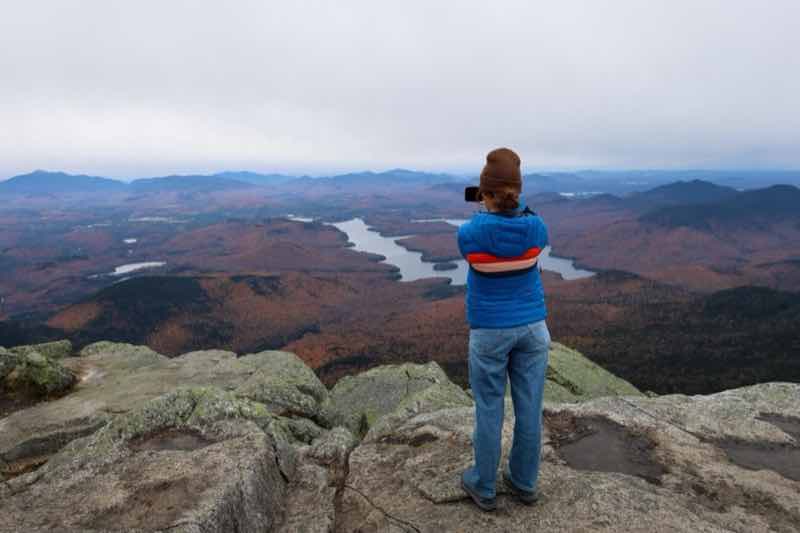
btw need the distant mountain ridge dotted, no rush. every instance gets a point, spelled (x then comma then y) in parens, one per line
(769, 204)
(182, 183)
(397, 173)
(638, 195)
(697, 203)
(255, 178)
(41, 182)
(683, 192)
(740, 179)
(393, 176)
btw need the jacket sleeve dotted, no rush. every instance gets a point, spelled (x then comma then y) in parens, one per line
(464, 239)
(541, 238)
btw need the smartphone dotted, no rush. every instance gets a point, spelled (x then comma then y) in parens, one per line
(471, 194)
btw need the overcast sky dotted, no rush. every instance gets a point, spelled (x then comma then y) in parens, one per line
(142, 88)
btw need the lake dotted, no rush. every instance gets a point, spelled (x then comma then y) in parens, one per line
(133, 267)
(127, 269)
(411, 265)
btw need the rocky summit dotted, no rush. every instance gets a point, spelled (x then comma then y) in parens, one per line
(120, 438)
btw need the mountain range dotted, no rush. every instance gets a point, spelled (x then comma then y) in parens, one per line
(41, 182)
(721, 207)
(682, 193)
(694, 204)
(659, 183)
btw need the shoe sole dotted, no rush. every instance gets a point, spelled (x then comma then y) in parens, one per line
(477, 500)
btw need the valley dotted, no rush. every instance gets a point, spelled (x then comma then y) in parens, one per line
(688, 296)
(728, 240)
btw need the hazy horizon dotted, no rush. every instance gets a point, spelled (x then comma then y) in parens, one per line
(462, 175)
(152, 88)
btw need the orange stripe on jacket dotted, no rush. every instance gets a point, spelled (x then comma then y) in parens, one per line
(505, 266)
(483, 257)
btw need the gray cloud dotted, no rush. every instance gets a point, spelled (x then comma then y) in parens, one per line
(150, 87)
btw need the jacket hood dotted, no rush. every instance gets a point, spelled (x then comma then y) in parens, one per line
(505, 235)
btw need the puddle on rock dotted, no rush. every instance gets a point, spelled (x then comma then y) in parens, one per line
(600, 445)
(788, 424)
(171, 439)
(781, 458)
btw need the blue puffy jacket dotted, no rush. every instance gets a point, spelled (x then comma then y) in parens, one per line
(504, 288)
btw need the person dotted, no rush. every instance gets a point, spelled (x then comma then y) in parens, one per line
(508, 339)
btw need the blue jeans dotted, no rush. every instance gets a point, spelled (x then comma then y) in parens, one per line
(520, 353)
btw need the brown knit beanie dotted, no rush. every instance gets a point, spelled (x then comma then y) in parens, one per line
(501, 178)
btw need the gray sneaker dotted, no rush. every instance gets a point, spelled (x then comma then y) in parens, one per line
(485, 504)
(525, 496)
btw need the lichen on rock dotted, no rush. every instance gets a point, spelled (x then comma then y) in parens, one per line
(664, 462)
(333, 446)
(437, 397)
(34, 374)
(141, 355)
(572, 377)
(51, 350)
(286, 385)
(194, 407)
(210, 442)
(8, 362)
(302, 429)
(115, 379)
(196, 459)
(358, 402)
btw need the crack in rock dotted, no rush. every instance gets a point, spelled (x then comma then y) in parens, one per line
(340, 486)
(382, 510)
